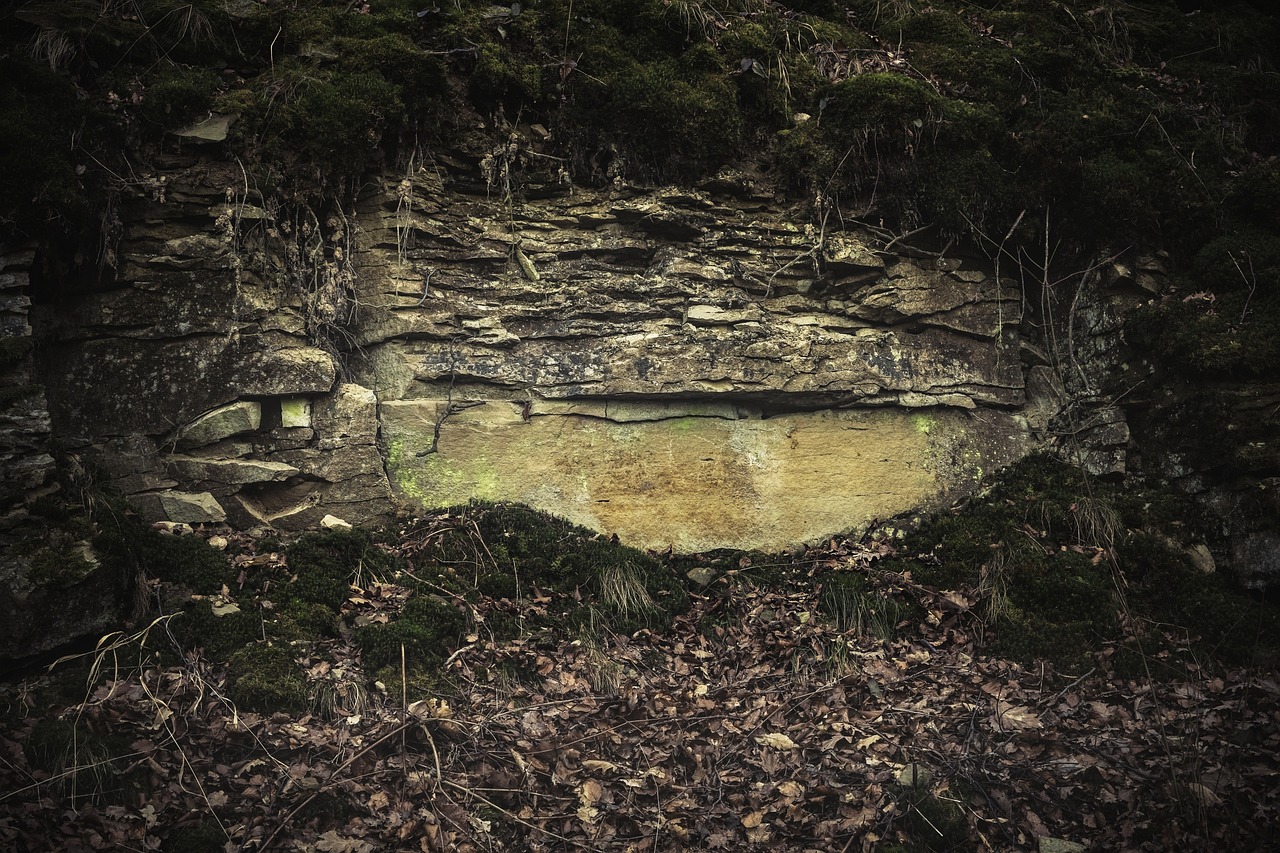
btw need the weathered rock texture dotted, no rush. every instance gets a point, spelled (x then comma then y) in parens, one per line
(692, 368)
(25, 463)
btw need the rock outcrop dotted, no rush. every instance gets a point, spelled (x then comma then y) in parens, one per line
(692, 368)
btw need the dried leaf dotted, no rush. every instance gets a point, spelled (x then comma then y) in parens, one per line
(776, 740)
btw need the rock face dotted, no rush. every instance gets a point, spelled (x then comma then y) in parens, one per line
(692, 368)
(683, 369)
(695, 479)
(25, 462)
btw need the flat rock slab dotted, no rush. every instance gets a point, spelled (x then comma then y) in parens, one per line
(692, 482)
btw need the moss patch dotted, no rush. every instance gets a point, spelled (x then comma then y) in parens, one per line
(266, 678)
(1054, 558)
(427, 629)
(511, 551)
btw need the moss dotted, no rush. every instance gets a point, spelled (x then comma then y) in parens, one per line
(130, 545)
(324, 565)
(1052, 601)
(427, 628)
(849, 600)
(702, 125)
(82, 763)
(510, 551)
(197, 627)
(498, 77)
(311, 619)
(930, 821)
(1211, 338)
(1216, 618)
(878, 102)
(13, 349)
(337, 121)
(419, 77)
(62, 561)
(1038, 547)
(265, 678)
(180, 96)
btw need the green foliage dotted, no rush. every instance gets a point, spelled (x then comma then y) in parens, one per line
(427, 629)
(61, 561)
(265, 678)
(851, 602)
(930, 821)
(324, 565)
(196, 627)
(507, 550)
(1213, 339)
(311, 618)
(1132, 123)
(1215, 617)
(1044, 546)
(179, 96)
(83, 764)
(133, 547)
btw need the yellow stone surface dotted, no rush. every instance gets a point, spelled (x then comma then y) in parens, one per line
(695, 482)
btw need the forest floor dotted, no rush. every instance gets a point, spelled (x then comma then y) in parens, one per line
(753, 722)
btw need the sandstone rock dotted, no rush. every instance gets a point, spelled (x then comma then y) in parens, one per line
(1201, 558)
(295, 413)
(224, 422)
(171, 506)
(697, 367)
(1257, 558)
(1059, 845)
(105, 379)
(233, 472)
(347, 416)
(39, 618)
(914, 776)
(173, 528)
(213, 129)
(697, 483)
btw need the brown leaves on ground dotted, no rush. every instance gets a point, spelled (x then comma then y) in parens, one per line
(753, 722)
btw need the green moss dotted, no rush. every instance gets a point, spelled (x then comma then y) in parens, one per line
(138, 550)
(1216, 618)
(508, 551)
(1037, 549)
(197, 627)
(13, 350)
(324, 565)
(879, 103)
(311, 619)
(698, 112)
(82, 763)
(930, 821)
(427, 629)
(1235, 334)
(62, 561)
(265, 678)
(180, 96)
(1051, 602)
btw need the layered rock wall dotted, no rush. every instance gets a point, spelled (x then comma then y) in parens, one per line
(690, 368)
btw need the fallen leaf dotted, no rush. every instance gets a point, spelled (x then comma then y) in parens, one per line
(777, 741)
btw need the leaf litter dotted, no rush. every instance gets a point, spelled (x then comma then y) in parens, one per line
(752, 722)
